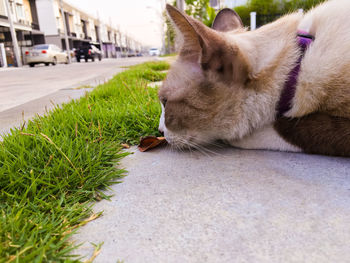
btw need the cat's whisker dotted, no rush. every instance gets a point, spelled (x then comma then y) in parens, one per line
(199, 148)
(217, 144)
(206, 149)
(183, 145)
(209, 151)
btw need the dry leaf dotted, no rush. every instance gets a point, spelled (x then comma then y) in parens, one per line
(150, 142)
(125, 146)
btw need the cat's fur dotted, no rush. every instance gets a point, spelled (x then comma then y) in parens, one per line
(227, 81)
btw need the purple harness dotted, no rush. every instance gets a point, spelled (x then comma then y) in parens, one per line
(288, 92)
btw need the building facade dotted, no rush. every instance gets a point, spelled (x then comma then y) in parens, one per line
(26, 24)
(81, 27)
(42, 22)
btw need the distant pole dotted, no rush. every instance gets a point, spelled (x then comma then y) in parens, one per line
(168, 38)
(3, 55)
(162, 8)
(116, 42)
(65, 32)
(180, 5)
(101, 42)
(126, 43)
(100, 34)
(252, 21)
(13, 36)
(120, 42)
(112, 37)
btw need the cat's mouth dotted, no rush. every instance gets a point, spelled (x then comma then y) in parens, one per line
(179, 141)
(185, 141)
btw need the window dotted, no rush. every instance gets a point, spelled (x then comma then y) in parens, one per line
(41, 47)
(2, 9)
(20, 11)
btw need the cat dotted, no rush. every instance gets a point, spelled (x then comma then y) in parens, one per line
(230, 84)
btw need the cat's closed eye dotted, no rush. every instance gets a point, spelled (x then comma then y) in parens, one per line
(220, 69)
(163, 101)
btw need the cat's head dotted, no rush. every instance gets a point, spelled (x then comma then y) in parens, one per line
(202, 93)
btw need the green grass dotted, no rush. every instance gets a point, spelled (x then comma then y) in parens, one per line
(52, 170)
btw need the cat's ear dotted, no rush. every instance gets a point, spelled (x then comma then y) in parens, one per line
(208, 48)
(191, 31)
(227, 20)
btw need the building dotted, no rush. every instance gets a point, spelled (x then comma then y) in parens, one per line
(81, 27)
(26, 24)
(108, 41)
(41, 22)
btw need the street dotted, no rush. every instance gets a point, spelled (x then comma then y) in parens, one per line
(21, 85)
(28, 91)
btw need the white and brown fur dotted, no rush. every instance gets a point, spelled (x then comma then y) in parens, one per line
(227, 81)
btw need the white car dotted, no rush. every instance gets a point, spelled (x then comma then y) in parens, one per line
(47, 54)
(154, 52)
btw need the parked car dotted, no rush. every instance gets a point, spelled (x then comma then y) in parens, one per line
(154, 52)
(88, 51)
(47, 54)
(131, 54)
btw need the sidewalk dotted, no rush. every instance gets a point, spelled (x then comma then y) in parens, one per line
(15, 116)
(231, 206)
(2, 69)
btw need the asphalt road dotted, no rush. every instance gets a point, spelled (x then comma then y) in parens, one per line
(18, 86)
(25, 92)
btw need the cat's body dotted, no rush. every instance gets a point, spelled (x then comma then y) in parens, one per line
(227, 83)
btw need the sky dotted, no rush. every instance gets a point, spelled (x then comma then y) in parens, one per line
(139, 19)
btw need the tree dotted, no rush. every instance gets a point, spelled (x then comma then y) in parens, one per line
(244, 12)
(170, 35)
(199, 9)
(292, 5)
(269, 10)
(264, 7)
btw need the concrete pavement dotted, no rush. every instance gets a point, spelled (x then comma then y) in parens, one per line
(231, 206)
(32, 90)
